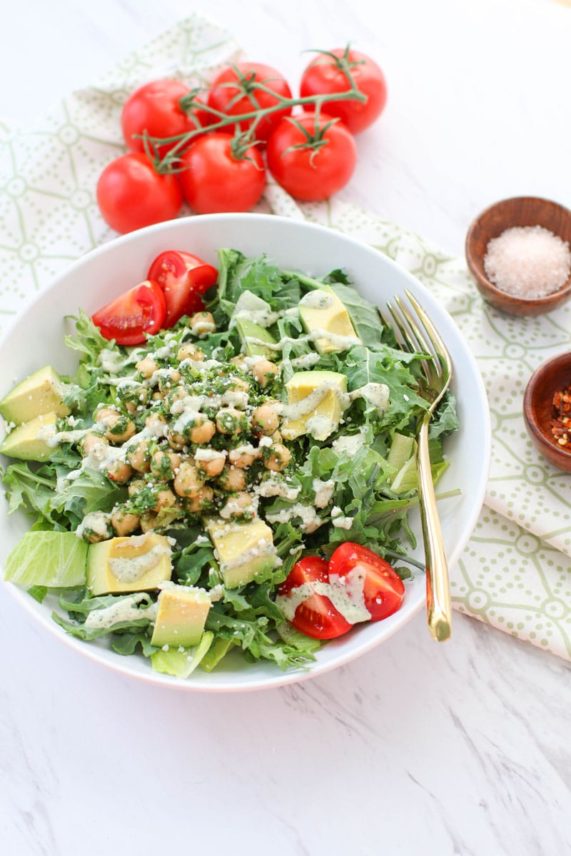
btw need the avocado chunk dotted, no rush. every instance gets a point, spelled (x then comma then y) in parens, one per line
(316, 401)
(323, 310)
(133, 563)
(181, 617)
(52, 559)
(41, 392)
(248, 330)
(244, 550)
(31, 441)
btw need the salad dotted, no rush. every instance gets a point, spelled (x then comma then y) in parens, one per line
(230, 468)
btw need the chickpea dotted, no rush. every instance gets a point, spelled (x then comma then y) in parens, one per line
(202, 323)
(176, 394)
(124, 522)
(92, 443)
(147, 367)
(243, 457)
(164, 464)
(176, 441)
(240, 505)
(278, 459)
(148, 521)
(200, 501)
(188, 480)
(239, 361)
(169, 381)
(139, 456)
(202, 431)
(264, 371)
(157, 396)
(119, 472)
(136, 487)
(229, 420)
(232, 479)
(156, 424)
(238, 384)
(265, 418)
(165, 499)
(190, 352)
(211, 467)
(118, 428)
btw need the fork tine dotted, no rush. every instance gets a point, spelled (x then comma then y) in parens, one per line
(424, 345)
(431, 330)
(400, 330)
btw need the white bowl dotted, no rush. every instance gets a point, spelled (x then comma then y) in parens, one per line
(36, 338)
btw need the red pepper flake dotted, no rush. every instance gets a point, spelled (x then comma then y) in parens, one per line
(561, 421)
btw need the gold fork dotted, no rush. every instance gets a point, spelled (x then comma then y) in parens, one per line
(415, 332)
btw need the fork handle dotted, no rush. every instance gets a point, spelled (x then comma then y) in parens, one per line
(437, 586)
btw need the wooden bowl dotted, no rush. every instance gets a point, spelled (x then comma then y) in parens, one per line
(550, 377)
(519, 211)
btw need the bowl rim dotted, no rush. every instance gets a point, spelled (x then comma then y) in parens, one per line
(528, 399)
(400, 619)
(480, 275)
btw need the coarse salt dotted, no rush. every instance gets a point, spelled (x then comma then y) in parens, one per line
(528, 261)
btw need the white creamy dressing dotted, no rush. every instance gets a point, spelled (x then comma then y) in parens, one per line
(339, 342)
(348, 444)
(244, 449)
(306, 361)
(122, 382)
(376, 394)
(198, 366)
(265, 442)
(235, 398)
(310, 519)
(113, 362)
(95, 521)
(323, 492)
(203, 326)
(262, 548)
(126, 609)
(252, 308)
(345, 593)
(210, 455)
(311, 402)
(275, 486)
(53, 438)
(233, 507)
(129, 569)
(162, 374)
(317, 299)
(320, 426)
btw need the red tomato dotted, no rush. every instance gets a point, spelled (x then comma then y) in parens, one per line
(183, 278)
(383, 588)
(213, 179)
(133, 316)
(311, 174)
(155, 108)
(324, 76)
(316, 616)
(131, 194)
(225, 95)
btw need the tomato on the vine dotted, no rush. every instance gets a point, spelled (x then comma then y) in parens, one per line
(156, 108)
(132, 316)
(315, 616)
(132, 194)
(232, 93)
(325, 76)
(183, 279)
(383, 589)
(214, 178)
(311, 156)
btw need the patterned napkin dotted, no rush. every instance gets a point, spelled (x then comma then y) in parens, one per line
(516, 571)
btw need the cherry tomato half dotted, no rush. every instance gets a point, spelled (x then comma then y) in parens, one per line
(131, 194)
(183, 278)
(130, 318)
(383, 588)
(155, 108)
(324, 76)
(311, 174)
(225, 95)
(316, 616)
(214, 180)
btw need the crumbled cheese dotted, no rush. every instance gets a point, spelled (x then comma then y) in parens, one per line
(323, 492)
(97, 522)
(309, 517)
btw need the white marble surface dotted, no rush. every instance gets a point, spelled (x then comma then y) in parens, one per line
(413, 749)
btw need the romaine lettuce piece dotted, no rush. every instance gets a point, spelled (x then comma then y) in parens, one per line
(52, 559)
